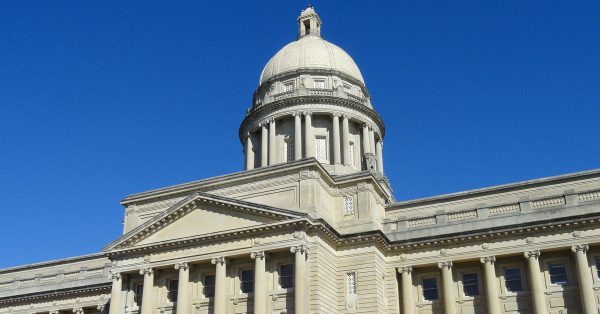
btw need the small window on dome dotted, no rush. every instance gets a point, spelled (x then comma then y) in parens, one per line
(288, 86)
(320, 84)
(307, 27)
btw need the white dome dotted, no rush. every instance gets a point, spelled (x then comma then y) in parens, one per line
(310, 52)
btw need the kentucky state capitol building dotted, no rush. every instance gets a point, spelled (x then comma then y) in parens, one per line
(311, 225)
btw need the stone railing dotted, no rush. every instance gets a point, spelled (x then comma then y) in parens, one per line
(484, 212)
(267, 99)
(56, 277)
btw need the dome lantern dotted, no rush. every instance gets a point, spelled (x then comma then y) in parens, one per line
(309, 22)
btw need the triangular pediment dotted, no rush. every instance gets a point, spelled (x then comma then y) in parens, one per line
(200, 215)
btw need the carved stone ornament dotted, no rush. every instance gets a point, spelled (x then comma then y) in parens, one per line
(404, 269)
(370, 162)
(114, 276)
(302, 249)
(530, 240)
(576, 234)
(443, 252)
(403, 257)
(580, 248)
(182, 266)
(100, 307)
(257, 254)
(146, 271)
(218, 260)
(534, 254)
(485, 246)
(488, 259)
(445, 264)
(78, 310)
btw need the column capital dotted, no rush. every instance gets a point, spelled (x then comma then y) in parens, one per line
(307, 113)
(580, 248)
(488, 259)
(100, 307)
(445, 264)
(336, 114)
(257, 254)
(146, 271)
(345, 116)
(302, 249)
(533, 253)
(218, 260)
(404, 269)
(182, 266)
(78, 310)
(271, 120)
(114, 276)
(54, 311)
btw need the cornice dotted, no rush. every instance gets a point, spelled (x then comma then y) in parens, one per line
(56, 293)
(82, 258)
(547, 181)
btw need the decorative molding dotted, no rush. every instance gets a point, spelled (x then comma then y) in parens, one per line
(218, 260)
(534, 253)
(587, 196)
(555, 201)
(182, 266)
(445, 264)
(488, 259)
(580, 248)
(257, 254)
(422, 221)
(467, 214)
(146, 271)
(302, 249)
(505, 209)
(404, 269)
(115, 276)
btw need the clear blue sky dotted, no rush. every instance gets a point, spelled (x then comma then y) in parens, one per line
(100, 99)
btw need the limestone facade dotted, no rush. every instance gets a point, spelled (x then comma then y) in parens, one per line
(324, 234)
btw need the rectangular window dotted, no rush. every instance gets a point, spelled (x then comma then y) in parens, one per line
(470, 284)
(288, 86)
(351, 154)
(172, 286)
(558, 274)
(320, 84)
(512, 279)
(247, 281)
(430, 289)
(351, 283)
(137, 297)
(347, 87)
(209, 286)
(289, 150)
(286, 276)
(321, 149)
(348, 205)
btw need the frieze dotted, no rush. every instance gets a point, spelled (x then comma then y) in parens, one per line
(253, 186)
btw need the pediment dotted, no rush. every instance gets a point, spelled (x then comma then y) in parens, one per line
(199, 215)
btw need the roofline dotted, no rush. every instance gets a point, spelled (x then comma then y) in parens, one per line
(241, 175)
(53, 262)
(498, 188)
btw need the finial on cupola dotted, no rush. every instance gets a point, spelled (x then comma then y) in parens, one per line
(309, 22)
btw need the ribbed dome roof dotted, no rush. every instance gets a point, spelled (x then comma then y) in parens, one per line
(310, 52)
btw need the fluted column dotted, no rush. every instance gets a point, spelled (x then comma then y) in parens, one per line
(260, 282)
(586, 288)
(297, 136)
(115, 293)
(346, 140)
(365, 139)
(337, 156)
(147, 306)
(448, 287)
(310, 138)
(408, 302)
(379, 152)
(537, 282)
(264, 151)
(220, 284)
(182, 287)
(272, 143)
(249, 153)
(491, 284)
(371, 141)
(300, 291)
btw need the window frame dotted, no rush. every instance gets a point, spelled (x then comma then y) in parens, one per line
(289, 149)
(325, 147)
(319, 80)
(172, 298)
(345, 211)
(242, 282)
(461, 288)
(419, 280)
(286, 84)
(280, 276)
(571, 280)
(204, 286)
